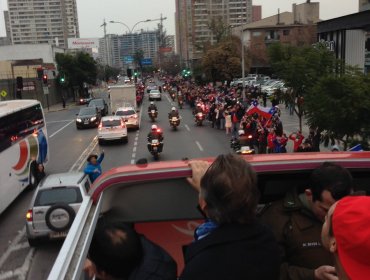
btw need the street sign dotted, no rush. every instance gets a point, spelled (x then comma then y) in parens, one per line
(29, 86)
(46, 90)
(128, 58)
(146, 61)
(3, 93)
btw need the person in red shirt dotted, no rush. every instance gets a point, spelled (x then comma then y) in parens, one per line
(270, 141)
(297, 139)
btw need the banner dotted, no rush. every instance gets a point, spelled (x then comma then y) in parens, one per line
(83, 43)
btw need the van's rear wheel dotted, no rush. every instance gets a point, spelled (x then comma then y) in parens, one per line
(60, 217)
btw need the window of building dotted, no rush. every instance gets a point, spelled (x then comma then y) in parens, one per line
(286, 32)
(256, 33)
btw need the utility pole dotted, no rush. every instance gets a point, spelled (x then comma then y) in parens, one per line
(105, 41)
(161, 39)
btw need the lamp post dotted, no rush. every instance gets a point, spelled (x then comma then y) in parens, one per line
(243, 62)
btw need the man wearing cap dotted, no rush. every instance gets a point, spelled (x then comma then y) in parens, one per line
(93, 167)
(346, 234)
(297, 221)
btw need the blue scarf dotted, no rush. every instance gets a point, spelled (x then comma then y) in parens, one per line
(205, 229)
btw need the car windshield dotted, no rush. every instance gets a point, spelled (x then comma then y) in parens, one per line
(125, 113)
(96, 102)
(154, 91)
(58, 195)
(87, 111)
(111, 123)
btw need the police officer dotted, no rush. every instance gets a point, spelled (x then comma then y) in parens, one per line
(297, 221)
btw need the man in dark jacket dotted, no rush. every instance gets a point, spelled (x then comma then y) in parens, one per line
(231, 244)
(297, 221)
(118, 252)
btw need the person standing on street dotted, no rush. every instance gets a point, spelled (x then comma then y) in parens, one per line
(93, 167)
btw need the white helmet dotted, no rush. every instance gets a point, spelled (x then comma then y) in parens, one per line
(152, 103)
(173, 109)
(241, 132)
(154, 127)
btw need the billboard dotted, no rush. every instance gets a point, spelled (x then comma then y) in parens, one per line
(128, 59)
(165, 49)
(146, 61)
(83, 43)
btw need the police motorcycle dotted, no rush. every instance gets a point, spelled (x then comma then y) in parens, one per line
(199, 118)
(153, 113)
(243, 145)
(174, 119)
(155, 142)
(180, 100)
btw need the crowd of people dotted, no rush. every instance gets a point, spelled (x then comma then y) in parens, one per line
(227, 109)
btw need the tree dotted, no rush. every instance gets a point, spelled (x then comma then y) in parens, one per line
(219, 28)
(301, 68)
(222, 62)
(77, 69)
(171, 64)
(106, 72)
(340, 106)
(138, 57)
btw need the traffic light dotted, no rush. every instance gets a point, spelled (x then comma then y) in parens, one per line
(62, 79)
(129, 72)
(19, 82)
(135, 73)
(40, 73)
(45, 79)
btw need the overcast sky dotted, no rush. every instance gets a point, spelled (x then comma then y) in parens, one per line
(91, 13)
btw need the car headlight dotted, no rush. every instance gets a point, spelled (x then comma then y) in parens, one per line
(93, 119)
(78, 120)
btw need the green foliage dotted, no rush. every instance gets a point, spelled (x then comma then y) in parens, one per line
(340, 106)
(106, 72)
(77, 69)
(219, 28)
(138, 56)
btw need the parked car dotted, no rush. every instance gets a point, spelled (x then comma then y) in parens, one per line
(155, 94)
(112, 128)
(88, 117)
(84, 100)
(100, 104)
(54, 206)
(129, 116)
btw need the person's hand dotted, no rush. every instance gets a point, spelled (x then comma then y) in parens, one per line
(198, 168)
(325, 272)
(89, 269)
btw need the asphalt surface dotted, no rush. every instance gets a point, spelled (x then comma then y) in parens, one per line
(68, 149)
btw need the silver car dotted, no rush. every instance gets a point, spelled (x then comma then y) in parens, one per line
(155, 95)
(54, 206)
(129, 116)
(112, 128)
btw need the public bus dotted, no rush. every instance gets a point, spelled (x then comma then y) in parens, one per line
(23, 140)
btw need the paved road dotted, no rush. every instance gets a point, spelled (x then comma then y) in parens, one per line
(69, 148)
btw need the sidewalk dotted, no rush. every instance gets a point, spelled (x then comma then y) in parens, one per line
(59, 107)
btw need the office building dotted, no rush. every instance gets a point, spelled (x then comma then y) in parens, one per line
(118, 50)
(194, 18)
(42, 21)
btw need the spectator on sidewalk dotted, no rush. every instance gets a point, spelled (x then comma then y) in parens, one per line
(297, 138)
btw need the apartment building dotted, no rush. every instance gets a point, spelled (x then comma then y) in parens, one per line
(194, 20)
(42, 21)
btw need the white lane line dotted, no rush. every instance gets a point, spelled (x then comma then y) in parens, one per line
(81, 160)
(187, 127)
(23, 270)
(135, 144)
(168, 98)
(58, 121)
(59, 130)
(136, 138)
(132, 161)
(12, 247)
(133, 155)
(134, 149)
(199, 146)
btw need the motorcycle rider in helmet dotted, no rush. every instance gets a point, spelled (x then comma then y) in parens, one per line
(173, 113)
(198, 109)
(155, 133)
(152, 107)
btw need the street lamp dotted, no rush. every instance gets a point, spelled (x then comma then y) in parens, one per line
(130, 30)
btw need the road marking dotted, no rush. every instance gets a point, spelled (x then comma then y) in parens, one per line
(134, 149)
(132, 161)
(81, 160)
(12, 247)
(133, 155)
(199, 146)
(59, 130)
(168, 98)
(58, 121)
(187, 127)
(20, 272)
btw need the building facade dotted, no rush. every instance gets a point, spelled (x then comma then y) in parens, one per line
(42, 21)
(349, 38)
(118, 50)
(297, 28)
(197, 21)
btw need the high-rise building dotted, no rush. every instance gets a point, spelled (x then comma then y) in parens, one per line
(197, 22)
(256, 13)
(42, 21)
(364, 5)
(118, 50)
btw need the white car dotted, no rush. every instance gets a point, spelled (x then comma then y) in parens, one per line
(155, 94)
(112, 128)
(54, 206)
(129, 116)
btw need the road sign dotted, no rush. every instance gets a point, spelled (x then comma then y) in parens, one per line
(3, 93)
(146, 61)
(46, 90)
(128, 58)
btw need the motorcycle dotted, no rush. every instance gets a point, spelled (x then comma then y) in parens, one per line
(153, 115)
(244, 148)
(155, 148)
(174, 122)
(181, 102)
(199, 118)
(173, 96)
